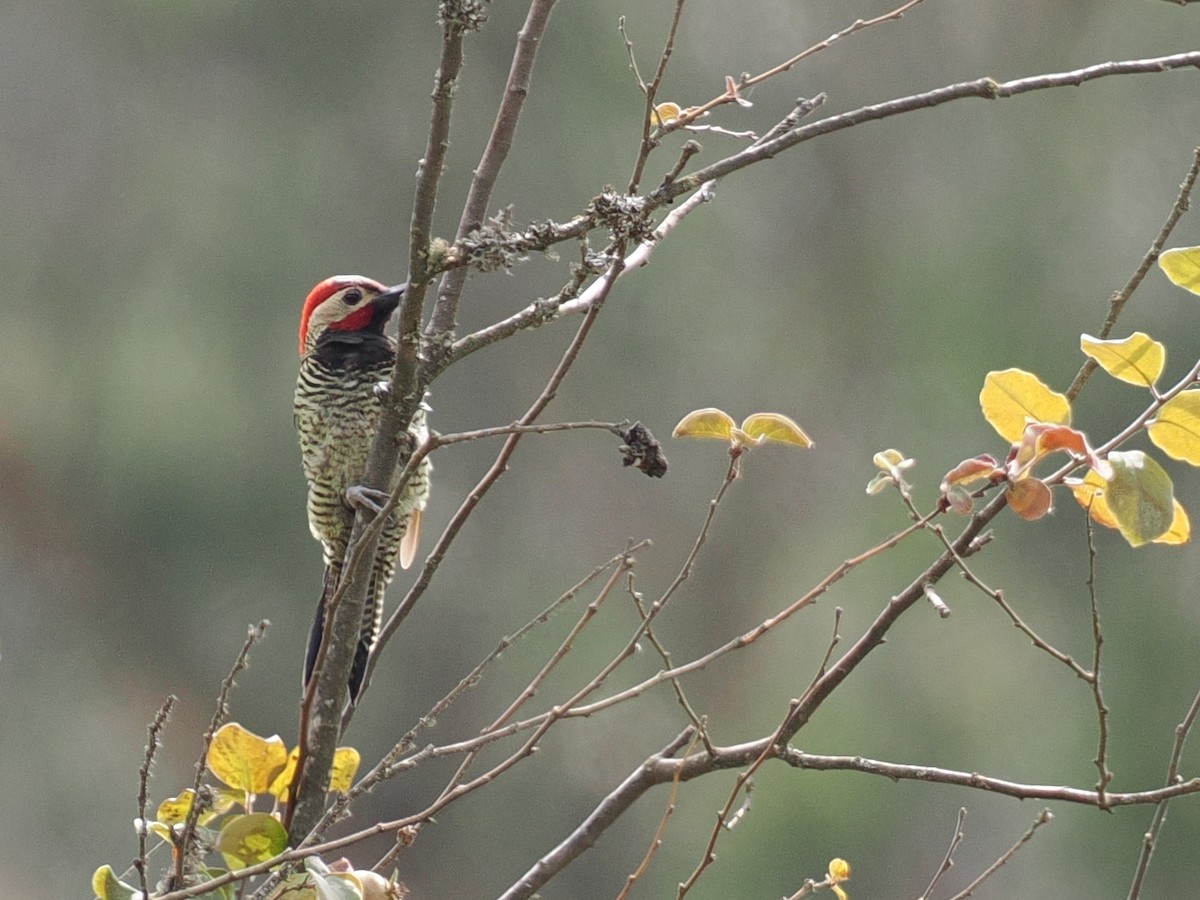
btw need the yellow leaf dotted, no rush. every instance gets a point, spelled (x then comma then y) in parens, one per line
(775, 428)
(1012, 397)
(244, 760)
(346, 761)
(1180, 531)
(1137, 359)
(705, 423)
(283, 781)
(891, 459)
(665, 113)
(1089, 493)
(1176, 428)
(345, 765)
(1182, 265)
(176, 809)
(107, 886)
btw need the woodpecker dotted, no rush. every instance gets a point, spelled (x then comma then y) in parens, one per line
(345, 367)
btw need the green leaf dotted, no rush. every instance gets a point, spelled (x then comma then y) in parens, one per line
(249, 839)
(1140, 496)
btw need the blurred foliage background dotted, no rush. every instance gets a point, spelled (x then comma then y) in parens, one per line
(175, 177)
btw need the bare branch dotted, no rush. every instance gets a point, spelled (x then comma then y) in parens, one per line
(1182, 730)
(152, 745)
(1044, 817)
(499, 143)
(541, 312)
(658, 834)
(498, 468)
(731, 96)
(1117, 303)
(984, 88)
(321, 724)
(1105, 776)
(220, 714)
(651, 90)
(530, 691)
(947, 860)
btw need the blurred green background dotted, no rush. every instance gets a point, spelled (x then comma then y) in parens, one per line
(176, 176)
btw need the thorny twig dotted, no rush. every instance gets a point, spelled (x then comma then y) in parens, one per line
(152, 745)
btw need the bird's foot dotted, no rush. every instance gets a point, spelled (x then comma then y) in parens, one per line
(362, 497)
(382, 389)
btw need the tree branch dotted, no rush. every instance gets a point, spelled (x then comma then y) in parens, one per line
(445, 311)
(321, 722)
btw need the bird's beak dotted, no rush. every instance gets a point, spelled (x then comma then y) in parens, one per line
(391, 298)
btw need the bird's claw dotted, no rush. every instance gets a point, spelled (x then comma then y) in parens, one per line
(362, 497)
(382, 389)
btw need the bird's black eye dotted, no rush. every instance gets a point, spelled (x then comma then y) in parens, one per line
(352, 296)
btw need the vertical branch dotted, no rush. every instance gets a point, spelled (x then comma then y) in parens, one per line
(948, 859)
(1160, 811)
(1101, 761)
(321, 719)
(651, 90)
(152, 743)
(445, 311)
(188, 834)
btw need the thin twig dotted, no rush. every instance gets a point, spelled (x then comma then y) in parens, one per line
(1117, 303)
(1182, 730)
(651, 91)
(730, 96)
(948, 860)
(834, 640)
(641, 82)
(974, 780)
(560, 653)
(659, 832)
(1044, 817)
(748, 638)
(1101, 761)
(220, 714)
(152, 745)
(499, 143)
(982, 88)
(498, 468)
(665, 655)
(541, 312)
(743, 780)
(998, 596)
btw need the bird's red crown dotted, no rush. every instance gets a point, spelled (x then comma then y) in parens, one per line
(326, 289)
